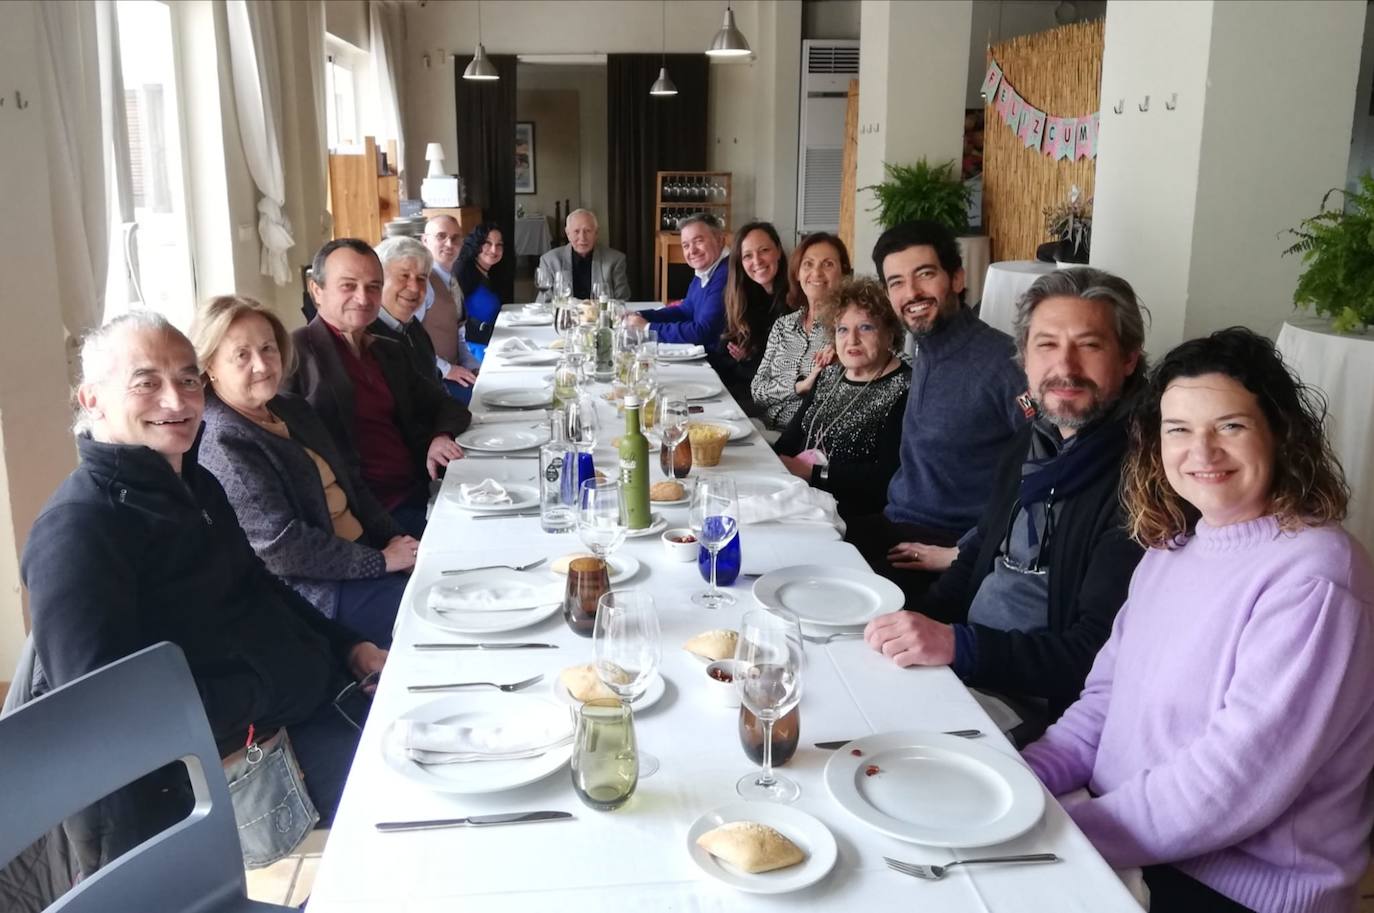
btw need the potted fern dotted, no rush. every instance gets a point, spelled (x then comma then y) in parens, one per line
(1070, 224)
(922, 191)
(1337, 248)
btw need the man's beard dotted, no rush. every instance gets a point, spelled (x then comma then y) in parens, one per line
(930, 324)
(1066, 416)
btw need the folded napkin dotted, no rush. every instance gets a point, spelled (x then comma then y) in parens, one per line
(524, 737)
(485, 493)
(514, 346)
(680, 350)
(529, 416)
(798, 502)
(489, 597)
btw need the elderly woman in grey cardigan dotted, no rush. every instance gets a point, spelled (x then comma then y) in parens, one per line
(312, 523)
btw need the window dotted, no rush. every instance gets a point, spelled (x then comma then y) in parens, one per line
(345, 73)
(150, 258)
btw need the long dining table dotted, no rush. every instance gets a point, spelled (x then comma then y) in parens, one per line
(637, 857)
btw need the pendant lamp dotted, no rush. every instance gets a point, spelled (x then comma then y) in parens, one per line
(729, 41)
(664, 84)
(480, 68)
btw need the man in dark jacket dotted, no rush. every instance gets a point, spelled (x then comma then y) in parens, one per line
(1038, 583)
(395, 425)
(139, 545)
(406, 265)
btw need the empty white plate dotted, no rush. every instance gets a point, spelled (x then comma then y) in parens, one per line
(825, 595)
(752, 484)
(935, 789)
(518, 397)
(502, 437)
(808, 833)
(694, 389)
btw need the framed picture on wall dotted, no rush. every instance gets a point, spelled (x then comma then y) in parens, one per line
(524, 156)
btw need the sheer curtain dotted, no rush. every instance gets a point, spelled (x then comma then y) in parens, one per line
(383, 19)
(89, 172)
(257, 82)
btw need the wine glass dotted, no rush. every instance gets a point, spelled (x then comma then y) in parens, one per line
(674, 415)
(626, 641)
(601, 516)
(580, 423)
(768, 675)
(714, 517)
(543, 281)
(566, 318)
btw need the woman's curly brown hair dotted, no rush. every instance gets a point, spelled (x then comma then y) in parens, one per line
(868, 295)
(1309, 487)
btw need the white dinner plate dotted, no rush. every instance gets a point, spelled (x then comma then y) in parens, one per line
(530, 358)
(754, 484)
(619, 567)
(738, 430)
(935, 789)
(528, 318)
(502, 437)
(825, 595)
(663, 356)
(518, 397)
(657, 524)
(652, 692)
(808, 833)
(532, 598)
(693, 389)
(521, 496)
(476, 709)
(677, 502)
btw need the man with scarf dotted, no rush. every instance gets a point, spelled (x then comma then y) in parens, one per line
(1041, 578)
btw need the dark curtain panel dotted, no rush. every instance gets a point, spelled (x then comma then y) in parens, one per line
(648, 134)
(486, 155)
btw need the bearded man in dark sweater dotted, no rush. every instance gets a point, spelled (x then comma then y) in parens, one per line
(961, 412)
(1038, 583)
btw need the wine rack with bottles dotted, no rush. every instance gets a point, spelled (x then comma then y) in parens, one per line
(683, 193)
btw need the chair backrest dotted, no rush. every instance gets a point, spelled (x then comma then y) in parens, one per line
(77, 744)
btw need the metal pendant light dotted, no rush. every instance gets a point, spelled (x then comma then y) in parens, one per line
(480, 67)
(729, 41)
(664, 84)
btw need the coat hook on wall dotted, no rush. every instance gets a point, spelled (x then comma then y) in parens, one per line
(19, 101)
(1120, 106)
(1144, 105)
(1172, 103)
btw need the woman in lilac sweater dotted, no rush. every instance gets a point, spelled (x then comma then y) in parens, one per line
(1226, 731)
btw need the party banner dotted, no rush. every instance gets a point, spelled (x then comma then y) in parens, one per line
(1070, 138)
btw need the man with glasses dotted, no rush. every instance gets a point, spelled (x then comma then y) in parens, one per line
(441, 313)
(140, 545)
(1041, 578)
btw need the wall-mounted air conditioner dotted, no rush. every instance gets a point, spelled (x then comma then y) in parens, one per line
(827, 68)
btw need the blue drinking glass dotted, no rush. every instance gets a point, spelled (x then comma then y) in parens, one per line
(573, 477)
(727, 561)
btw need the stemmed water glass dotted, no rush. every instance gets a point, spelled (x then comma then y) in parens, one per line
(714, 517)
(601, 516)
(627, 644)
(567, 316)
(674, 416)
(580, 422)
(768, 676)
(543, 281)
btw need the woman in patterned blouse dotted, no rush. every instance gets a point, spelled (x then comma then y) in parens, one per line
(797, 348)
(846, 436)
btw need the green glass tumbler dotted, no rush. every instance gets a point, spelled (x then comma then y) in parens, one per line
(605, 760)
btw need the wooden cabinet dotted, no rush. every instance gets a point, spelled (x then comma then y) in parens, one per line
(679, 194)
(363, 196)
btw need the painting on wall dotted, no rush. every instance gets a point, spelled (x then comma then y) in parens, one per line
(524, 156)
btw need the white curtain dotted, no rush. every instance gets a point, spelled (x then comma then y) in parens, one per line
(382, 21)
(257, 98)
(87, 135)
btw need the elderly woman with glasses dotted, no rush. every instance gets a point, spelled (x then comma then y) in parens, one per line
(846, 436)
(1225, 734)
(310, 520)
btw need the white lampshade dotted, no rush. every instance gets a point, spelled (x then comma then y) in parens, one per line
(434, 154)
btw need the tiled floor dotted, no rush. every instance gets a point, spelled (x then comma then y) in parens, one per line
(289, 881)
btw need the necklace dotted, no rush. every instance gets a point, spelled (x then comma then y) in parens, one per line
(819, 438)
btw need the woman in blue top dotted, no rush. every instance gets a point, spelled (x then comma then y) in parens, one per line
(482, 250)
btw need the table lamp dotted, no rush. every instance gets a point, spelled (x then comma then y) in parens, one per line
(434, 154)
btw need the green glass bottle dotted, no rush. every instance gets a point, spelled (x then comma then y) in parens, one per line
(634, 468)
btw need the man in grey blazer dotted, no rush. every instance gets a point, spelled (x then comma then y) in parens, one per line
(585, 262)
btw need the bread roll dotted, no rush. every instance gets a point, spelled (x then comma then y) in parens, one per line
(751, 847)
(713, 645)
(585, 685)
(666, 491)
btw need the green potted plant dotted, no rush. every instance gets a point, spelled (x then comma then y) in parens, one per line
(1070, 228)
(922, 191)
(1337, 247)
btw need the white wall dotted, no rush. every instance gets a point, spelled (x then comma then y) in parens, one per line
(830, 19)
(590, 84)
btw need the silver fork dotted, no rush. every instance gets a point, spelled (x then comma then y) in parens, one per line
(451, 686)
(936, 872)
(487, 567)
(827, 638)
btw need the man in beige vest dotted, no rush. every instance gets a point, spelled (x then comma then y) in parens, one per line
(442, 312)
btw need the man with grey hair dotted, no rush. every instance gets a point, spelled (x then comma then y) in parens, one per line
(406, 265)
(699, 318)
(585, 261)
(1038, 582)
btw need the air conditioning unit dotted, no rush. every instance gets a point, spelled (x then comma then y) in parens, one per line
(827, 68)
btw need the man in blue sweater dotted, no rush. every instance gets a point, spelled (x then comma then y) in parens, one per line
(962, 409)
(700, 317)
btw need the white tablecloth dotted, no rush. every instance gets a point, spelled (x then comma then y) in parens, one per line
(1006, 282)
(532, 236)
(636, 859)
(1342, 368)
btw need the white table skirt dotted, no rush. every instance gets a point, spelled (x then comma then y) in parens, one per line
(532, 237)
(1342, 368)
(636, 858)
(1006, 282)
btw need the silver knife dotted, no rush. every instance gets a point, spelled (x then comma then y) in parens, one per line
(487, 646)
(472, 821)
(961, 733)
(517, 513)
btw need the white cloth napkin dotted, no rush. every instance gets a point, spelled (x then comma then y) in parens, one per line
(515, 345)
(490, 597)
(524, 737)
(680, 350)
(797, 503)
(485, 493)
